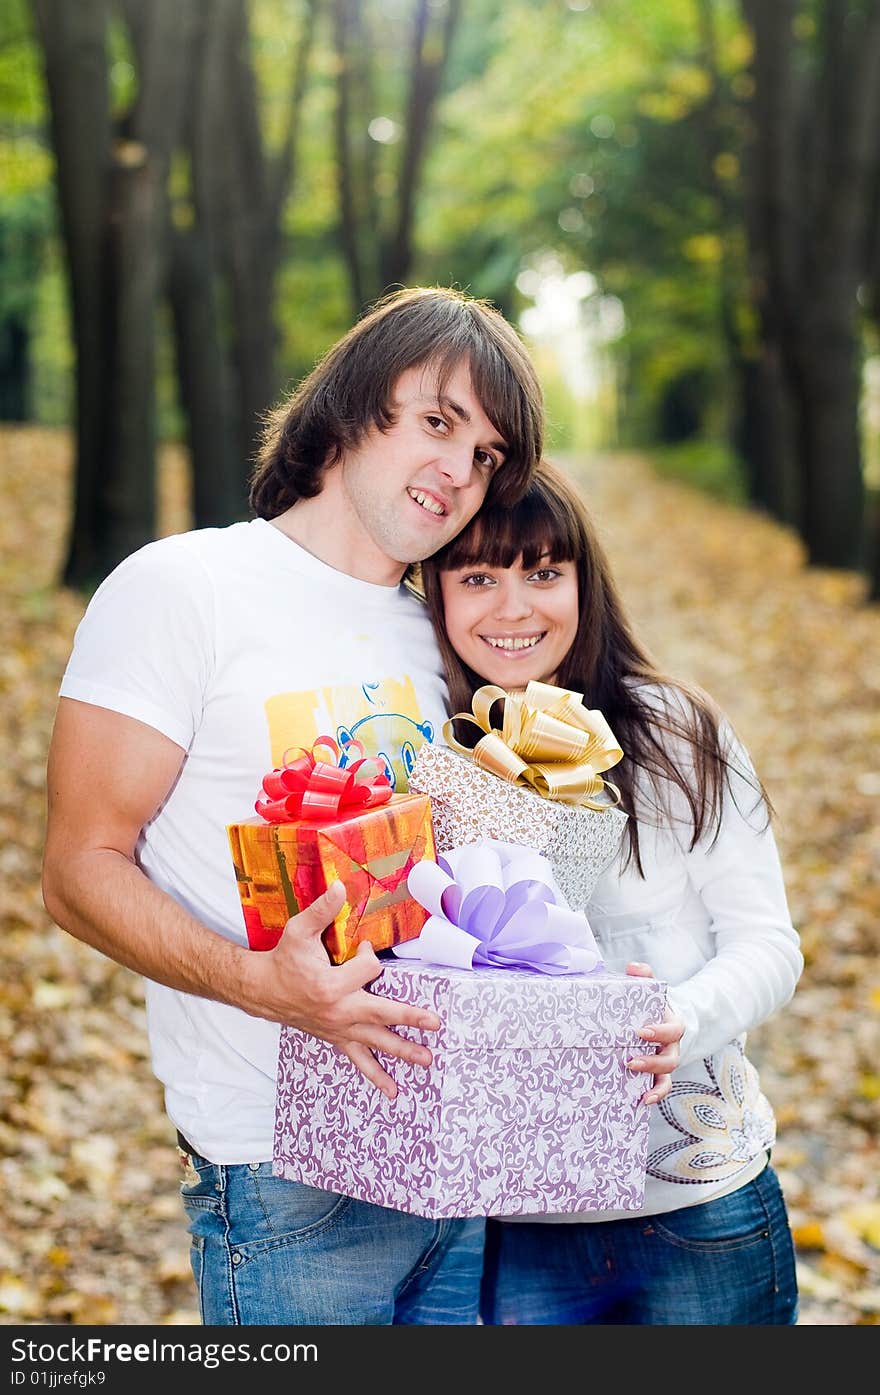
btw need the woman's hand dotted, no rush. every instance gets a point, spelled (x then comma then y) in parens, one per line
(667, 1034)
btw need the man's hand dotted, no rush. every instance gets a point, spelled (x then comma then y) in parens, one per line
(93, 888)
(295, 983)
(667, 1034)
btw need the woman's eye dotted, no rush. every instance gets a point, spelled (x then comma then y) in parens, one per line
(485, 459)
(476, 579)
(545, 574)
(437, 423)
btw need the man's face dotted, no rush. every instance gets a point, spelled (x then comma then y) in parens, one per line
(406, 491)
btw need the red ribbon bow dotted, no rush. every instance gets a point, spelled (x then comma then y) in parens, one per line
(308, 788)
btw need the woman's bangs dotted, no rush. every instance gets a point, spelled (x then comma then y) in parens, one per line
(532, 531)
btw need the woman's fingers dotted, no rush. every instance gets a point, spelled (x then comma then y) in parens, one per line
(666, 1035)
(635, 969)
(659, 1090)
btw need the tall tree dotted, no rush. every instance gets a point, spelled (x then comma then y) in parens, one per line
(376, 216)
(193, 123)
(111, 177)
(816, 112)
(227, 244)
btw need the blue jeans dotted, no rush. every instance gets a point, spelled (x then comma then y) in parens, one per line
(726, 1263)
(267, 1251)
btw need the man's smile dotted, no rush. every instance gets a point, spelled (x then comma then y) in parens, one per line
(428, 501)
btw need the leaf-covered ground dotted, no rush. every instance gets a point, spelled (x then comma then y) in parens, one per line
(92, 1231)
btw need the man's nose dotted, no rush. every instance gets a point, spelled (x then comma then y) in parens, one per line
(457, 464)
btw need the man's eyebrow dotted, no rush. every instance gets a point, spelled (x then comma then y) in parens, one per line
(464, 417)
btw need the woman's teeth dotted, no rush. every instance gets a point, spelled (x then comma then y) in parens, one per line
(426, 502)
(527, 642)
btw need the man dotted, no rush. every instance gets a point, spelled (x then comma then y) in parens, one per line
(200, 660)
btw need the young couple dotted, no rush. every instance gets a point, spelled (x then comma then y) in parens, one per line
(204, 656)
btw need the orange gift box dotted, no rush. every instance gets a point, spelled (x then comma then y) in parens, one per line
(282, 867)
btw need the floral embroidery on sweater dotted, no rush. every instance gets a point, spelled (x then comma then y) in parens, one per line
(723, 1124)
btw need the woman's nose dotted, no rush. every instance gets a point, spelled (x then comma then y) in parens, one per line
(512, 602)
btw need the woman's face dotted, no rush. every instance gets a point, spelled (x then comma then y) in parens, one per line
(512, 624)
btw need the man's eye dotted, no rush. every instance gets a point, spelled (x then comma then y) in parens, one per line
(485, 459)
(437, 423)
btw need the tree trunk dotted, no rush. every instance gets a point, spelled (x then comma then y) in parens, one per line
(429, 57)
(769, 429)
(378, 251)
(219, 492)
(138, 217)
(112, 195)
(73, 39)
(15, 370)
(196, 286)
(874, 547)
(815, 162)
(362, 285)
(248, 243)
(830, 446)
(765, 436)
(227, 242)
(825, 344)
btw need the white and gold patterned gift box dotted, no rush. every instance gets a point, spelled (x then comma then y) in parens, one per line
(537, 781)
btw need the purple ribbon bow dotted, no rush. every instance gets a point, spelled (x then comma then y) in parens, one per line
(497, 903)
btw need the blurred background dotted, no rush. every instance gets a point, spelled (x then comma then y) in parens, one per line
(678, 203)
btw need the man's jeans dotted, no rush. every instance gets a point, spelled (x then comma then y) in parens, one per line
(721, 1263)
(267, 1251)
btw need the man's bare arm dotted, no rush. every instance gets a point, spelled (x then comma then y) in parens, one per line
(93, 888)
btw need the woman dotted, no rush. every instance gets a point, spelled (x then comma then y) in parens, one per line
(696, 891)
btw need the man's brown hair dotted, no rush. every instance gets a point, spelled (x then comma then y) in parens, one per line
(349, 391)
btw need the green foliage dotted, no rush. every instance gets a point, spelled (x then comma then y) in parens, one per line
(25, 220)
(314, 308)
(709, 465)
(586, 137)
(53, 388)
(27, 207)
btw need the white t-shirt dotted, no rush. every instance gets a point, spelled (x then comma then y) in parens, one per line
(238, 644)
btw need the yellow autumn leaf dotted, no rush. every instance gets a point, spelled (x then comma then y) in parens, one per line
(864, 1221)
(17, 1298)
(809, 1235)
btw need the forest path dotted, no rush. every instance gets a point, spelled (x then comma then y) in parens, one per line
(93, 1231)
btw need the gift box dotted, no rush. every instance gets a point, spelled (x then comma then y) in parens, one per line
(468, 803)
(537, 781)
(527, 1108)
(316, 829)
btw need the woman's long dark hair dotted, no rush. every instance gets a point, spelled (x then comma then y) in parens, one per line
(670, 734)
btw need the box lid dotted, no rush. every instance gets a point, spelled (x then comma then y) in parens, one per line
(506, 1009)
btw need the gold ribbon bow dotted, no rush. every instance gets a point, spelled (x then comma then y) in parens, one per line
(548, 740)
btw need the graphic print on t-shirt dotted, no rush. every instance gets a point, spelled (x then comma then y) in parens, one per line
(384, 716)
(273, 884)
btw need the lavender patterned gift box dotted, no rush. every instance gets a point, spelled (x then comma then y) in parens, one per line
(528, 1106)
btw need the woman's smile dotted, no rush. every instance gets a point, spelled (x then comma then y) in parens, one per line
(512, 623)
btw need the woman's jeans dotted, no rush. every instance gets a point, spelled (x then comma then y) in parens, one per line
(726, 1263)
(267, 1251)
